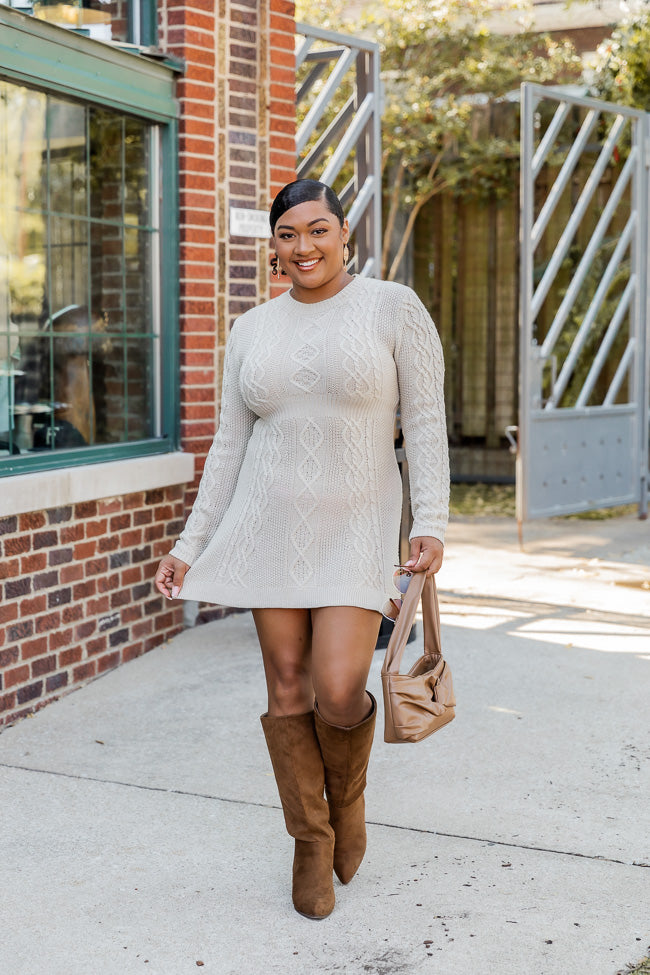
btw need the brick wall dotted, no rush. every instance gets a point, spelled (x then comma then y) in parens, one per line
(77, 593)
(76, 582)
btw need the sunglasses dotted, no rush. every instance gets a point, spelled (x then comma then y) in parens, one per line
(401, 578)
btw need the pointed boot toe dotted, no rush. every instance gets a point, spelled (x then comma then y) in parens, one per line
(349, 824)
(313, 887)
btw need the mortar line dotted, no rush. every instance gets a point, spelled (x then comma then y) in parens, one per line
(370, 822)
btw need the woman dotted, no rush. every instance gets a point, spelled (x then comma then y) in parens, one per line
(298, 513)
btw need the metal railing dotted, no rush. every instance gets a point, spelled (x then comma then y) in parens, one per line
(339, 139)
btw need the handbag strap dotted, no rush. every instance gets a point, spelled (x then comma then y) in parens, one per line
(424, 588)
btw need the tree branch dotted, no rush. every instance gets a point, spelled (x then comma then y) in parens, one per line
(392, 213)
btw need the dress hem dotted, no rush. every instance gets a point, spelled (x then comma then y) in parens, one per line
(285, 598)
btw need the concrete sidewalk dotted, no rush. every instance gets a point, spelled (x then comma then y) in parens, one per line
(142, 830)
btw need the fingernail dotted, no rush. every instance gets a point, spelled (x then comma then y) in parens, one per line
(175, 591)
(410, 562)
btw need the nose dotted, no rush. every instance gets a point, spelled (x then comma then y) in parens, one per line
(303, 244)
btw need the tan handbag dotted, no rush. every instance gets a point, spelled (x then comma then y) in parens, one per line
(418, 703)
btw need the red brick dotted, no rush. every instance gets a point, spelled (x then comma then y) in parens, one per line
(45, 665)
(31, 520)
(84, 589)
(33, 648)
(37, 604)
(72, 533)
(17, 545)
(17, 675)
(85, 509)
(96, 566)
(8, 612)
(70, 656)
(109, 506)
(131, 538)
(133, 500)
(84, 671)
(48, 622)
(85, 550)
(45, 539)
(94, 607)
(71, 573)
(8, 657)
(108, 662)
(129, 576)
(33, 563)
(108, 583)
(95, 528)
(61, 638)
(72, 613)
(120, 522)
(132, 651)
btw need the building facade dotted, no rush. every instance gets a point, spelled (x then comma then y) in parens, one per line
(128, 133)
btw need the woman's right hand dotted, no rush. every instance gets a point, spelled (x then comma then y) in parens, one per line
(170, 575)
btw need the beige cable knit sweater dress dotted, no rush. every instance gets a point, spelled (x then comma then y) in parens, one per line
(300, 500)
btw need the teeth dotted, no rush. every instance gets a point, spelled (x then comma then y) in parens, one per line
(307, 263)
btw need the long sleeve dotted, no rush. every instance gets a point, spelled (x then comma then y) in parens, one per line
(420, 373)
(223, 462)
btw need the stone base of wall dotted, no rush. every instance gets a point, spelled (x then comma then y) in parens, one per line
(77, 593)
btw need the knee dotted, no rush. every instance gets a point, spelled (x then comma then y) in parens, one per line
(343, 706)
(289, 687)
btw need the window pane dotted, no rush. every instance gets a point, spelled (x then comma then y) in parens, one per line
(103, 20)
(68, 240)
(136, 164)
(106, 144)
(78, 326)
(138, 268)
(67, 135)
(107, 262)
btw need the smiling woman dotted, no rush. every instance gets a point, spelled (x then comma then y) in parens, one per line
(299, 508)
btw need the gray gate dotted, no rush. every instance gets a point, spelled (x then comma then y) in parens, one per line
(583, 425)
(339, 139)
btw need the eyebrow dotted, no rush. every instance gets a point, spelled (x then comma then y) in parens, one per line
(287, 226)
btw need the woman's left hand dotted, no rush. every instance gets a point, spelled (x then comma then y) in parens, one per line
(426, 555)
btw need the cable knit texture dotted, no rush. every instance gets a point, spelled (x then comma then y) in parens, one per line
(300, 500)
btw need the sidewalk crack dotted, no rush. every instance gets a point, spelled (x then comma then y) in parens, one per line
(370, 822)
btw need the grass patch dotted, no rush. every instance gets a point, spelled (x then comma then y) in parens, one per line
(498, 500)
(482, 500)
(643, 968)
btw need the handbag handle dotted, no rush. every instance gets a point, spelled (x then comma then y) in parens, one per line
(421, 587)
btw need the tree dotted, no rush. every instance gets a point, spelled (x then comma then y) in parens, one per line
(443, 68)
(622, 70)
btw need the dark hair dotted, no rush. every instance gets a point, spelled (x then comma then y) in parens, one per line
(301, 191)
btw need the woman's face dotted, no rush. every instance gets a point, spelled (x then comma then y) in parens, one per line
(309, 242)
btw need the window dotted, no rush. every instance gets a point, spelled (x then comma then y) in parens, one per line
(84, 305)
(118, 21)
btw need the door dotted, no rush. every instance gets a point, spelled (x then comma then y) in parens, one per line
(583, 424)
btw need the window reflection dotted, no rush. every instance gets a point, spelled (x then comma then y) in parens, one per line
(103, 21)
(77, 330)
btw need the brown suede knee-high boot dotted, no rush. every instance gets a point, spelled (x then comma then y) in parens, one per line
(300, 776)
(346, 752)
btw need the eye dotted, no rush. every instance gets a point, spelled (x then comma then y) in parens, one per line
(285, 236)
(320, 230)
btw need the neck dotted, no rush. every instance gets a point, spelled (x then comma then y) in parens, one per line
(310, 296)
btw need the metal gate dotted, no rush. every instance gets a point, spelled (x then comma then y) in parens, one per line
(583, 423)
(339, 138)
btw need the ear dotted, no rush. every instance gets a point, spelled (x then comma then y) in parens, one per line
(345, 232)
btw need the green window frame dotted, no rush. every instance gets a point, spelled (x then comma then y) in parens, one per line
(50, 59)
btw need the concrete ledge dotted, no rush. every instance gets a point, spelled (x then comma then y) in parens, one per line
(51, 489)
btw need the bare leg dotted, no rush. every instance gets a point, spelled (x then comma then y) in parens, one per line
(285, 639)
(343, 642)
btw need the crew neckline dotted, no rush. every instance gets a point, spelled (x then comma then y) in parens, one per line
(325, 303)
